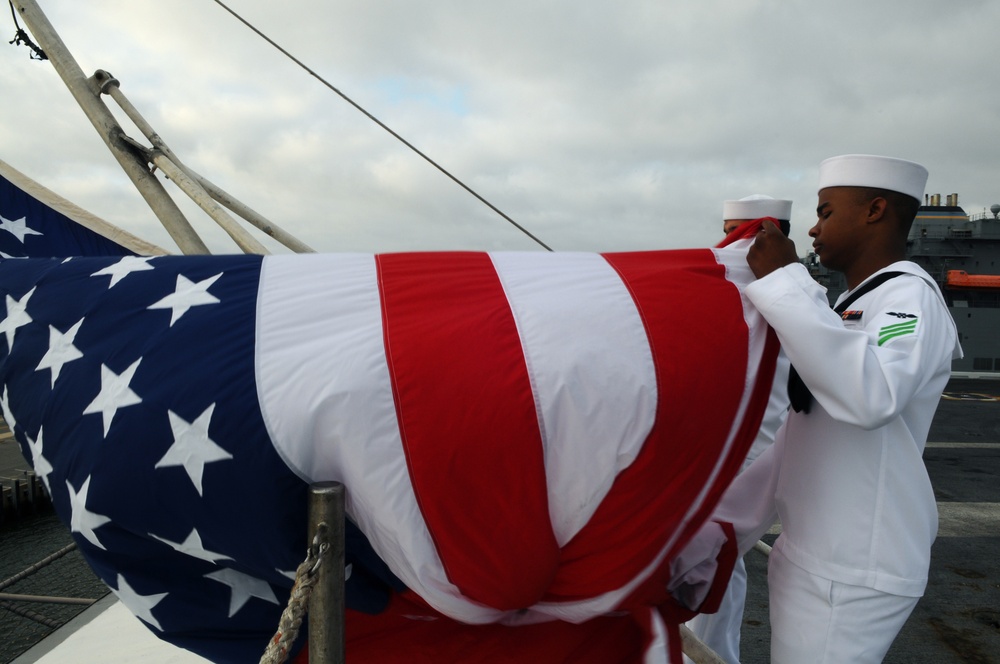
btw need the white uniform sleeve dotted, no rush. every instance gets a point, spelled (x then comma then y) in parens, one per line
(858, 376)
(749, 502)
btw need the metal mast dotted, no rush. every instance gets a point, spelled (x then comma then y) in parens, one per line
(87, 95)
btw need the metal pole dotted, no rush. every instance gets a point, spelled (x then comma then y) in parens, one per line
(32, 615)
(111, 87)
(69, 548)
(696, 650)
(45, 599)
(254, 217)
(326, 604)
(88, 97)
(197, 193)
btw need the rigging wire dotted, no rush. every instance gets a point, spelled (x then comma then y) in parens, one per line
(22, 37)
(380, 123)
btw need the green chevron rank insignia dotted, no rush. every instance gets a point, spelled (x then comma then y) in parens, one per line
(909, 326)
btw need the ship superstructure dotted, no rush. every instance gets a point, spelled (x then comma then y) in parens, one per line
(962, 253)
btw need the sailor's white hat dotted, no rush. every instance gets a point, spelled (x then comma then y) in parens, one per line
(866, 170)
(757, 206)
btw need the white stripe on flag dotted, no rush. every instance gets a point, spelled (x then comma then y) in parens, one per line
(326, 398)
(324, 385)
(733, 258)
(591, 370)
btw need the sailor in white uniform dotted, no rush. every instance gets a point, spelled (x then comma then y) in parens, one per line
(845, 474)
(720, 631)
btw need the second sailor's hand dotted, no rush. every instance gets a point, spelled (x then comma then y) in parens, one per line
(770, 250)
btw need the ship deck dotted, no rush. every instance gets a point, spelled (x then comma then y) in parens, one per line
(957, 620)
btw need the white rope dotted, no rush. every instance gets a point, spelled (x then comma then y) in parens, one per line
(291, 618)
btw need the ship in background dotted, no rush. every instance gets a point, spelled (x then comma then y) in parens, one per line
(962, 253)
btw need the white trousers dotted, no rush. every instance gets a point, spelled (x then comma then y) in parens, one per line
(815, 620)
(720, 631)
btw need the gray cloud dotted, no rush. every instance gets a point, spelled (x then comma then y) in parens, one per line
(598, 125)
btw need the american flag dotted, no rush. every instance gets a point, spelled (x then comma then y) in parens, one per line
(526, 439)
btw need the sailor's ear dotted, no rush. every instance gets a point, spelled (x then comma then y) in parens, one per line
(876, 211)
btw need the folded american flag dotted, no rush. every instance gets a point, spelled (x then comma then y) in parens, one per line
(525, 438)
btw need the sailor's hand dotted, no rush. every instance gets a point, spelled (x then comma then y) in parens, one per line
(770, 250)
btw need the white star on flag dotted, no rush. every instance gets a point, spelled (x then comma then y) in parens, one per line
(17, 227)
(84, 521)
(193, 547)
(186, 294)
(61, 350)
(125, 267)
(8, 416)
(140, 605)
(244, 587)
(115, 394)
(40, 463)
(192, 447)
(17, 316)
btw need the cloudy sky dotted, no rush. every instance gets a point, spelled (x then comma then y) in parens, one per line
(598, 125)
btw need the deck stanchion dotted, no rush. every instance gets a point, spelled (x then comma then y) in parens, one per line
(326, 604)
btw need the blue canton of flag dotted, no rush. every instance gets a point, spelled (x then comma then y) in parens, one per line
(150, 442)
(150, 439)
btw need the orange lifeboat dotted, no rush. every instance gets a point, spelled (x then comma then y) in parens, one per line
(959, 279)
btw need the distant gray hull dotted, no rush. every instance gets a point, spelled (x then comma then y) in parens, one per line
(943, 238)
(979, 332)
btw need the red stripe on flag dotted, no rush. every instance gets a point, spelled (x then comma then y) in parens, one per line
(745, 230)
(694, 320)
(410, 632)
(468, 424)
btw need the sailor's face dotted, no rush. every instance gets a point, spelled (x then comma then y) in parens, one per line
(835, 235)
(730, 225)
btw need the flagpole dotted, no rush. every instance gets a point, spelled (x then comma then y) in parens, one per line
(88, 97)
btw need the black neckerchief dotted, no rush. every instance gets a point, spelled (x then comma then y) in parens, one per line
(798, 393)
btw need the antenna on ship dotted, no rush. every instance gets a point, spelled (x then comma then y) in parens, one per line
(995, 209)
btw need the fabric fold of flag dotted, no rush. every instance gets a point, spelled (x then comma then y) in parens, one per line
(526, 439)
